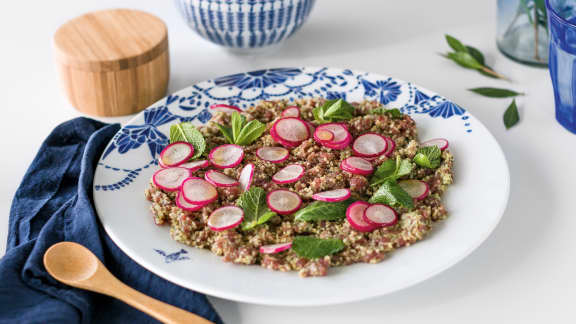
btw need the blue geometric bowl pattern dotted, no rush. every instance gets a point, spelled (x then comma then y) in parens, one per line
(245, 23)
(149, 130)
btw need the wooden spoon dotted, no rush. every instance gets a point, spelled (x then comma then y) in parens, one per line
(75, 265)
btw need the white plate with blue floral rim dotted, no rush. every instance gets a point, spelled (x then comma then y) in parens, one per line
(475, 202)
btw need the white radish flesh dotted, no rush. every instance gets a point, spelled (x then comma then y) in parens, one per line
(354, 216)
(183, 204)
(272, 154)
(198, 191)
(357, 165)
(275, 248)
(289, 174)
(292, 111)
(283, 201)
(370, 145)
(226, 217)
(380, 215)
(417, 189)
(226, 156)
(245, 177)
(170, 179)
(225, 108)
(176, 153)
(442, 143)
(291, 129)
(332, 195)
(219, 179)
(195, 165)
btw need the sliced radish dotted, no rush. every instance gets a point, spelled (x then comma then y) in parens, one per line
(332, 195)
(323, 135)
(357, 165)
(170, 179)
(195, 165)
(291, 129)
(198, 191)
(281, 141)
(391, 146)
(292, 111)
(354, 217)
(341, 134)
(225, 108)
(176, 153)
(289, 174)
(370, 145)
(219, 179)
(275, 248)
(442, 143)
(180, 202)
(226, 217)
(272, 154)
(417, 189)
(226, 156)
(283, 201)
(380, 215)
(311, 128)
(246, 175)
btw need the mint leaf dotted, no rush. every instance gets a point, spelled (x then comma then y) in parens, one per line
(256, 212)
(390, 193)
(313, 248)
(227, 132)
(187, 132)
(391, 170)
(511, 116)
(496, 92)
(393, 113)
(333, 110)
(250, 132)
(455, 44)
(320, 210)
(237, 121)
(428, 157)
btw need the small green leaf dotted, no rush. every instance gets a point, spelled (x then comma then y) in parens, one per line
(391, 170)
(392, 194)
(237, 121)
(464, 59)
(511, 116)
(476, 54)
(320, 210)
(496, 92)
(187, 132)
(250, 132)
(428, 157)
(256, 212)
(227, 132)
(313, 248)
(393, 113)
(455, 44)
(333, 110)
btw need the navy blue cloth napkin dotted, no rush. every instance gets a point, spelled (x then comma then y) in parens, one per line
(53, 204)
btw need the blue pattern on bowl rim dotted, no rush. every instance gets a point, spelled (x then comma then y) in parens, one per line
(245, 24)
(245, 89)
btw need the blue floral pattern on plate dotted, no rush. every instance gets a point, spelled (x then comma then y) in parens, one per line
(150, 128)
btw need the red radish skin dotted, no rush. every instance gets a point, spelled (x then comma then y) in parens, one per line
(341, 134)
(183, 204)
(289, 174)
(219, 179)
(176, 153)
(369, 145)
(357, 165)
(224, 218)
(390, 148)
(226, 156)
(323, 136)
(194, 166)
(354, 217)
(417, 189)
(225, 108)
(442, 143)
(245, 177)
(283, 201)
(272, 154)
(335, 195)
(198, 191)
(292, 111)
(170, 179)
(380, 215)
(291, 129)
(275, 248)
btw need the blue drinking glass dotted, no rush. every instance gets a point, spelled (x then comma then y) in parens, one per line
(562, 59)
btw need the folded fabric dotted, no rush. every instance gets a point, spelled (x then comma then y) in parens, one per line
(53, 204)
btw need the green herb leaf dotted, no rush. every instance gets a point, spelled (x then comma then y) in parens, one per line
(511, 116)
(256, 212)
(392, 194)
(333, 110)
(455, 44)
(227, 132)
(496, 92)
(250, 132)
(428, 157)
(393, 113)
(187, 132)
(320, 210)
(237, 121)
(391, 170)
(476, 54)
(313, 248)
(464, 59)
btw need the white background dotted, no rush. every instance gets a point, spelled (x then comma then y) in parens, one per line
(524, 273)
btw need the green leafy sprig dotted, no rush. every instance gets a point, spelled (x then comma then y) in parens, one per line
(469, 57)
(242, 133)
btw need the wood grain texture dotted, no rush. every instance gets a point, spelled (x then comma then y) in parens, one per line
(113, 62)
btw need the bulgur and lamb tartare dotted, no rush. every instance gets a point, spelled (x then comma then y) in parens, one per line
(301, 186)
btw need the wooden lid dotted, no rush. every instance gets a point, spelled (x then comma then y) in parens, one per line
(110, 40)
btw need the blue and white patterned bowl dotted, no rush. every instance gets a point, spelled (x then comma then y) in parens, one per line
(245, 24)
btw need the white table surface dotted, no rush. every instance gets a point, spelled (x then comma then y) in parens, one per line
(524, 273)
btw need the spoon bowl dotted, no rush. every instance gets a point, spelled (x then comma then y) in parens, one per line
(70, 262)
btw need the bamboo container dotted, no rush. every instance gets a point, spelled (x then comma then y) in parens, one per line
(113, 62)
